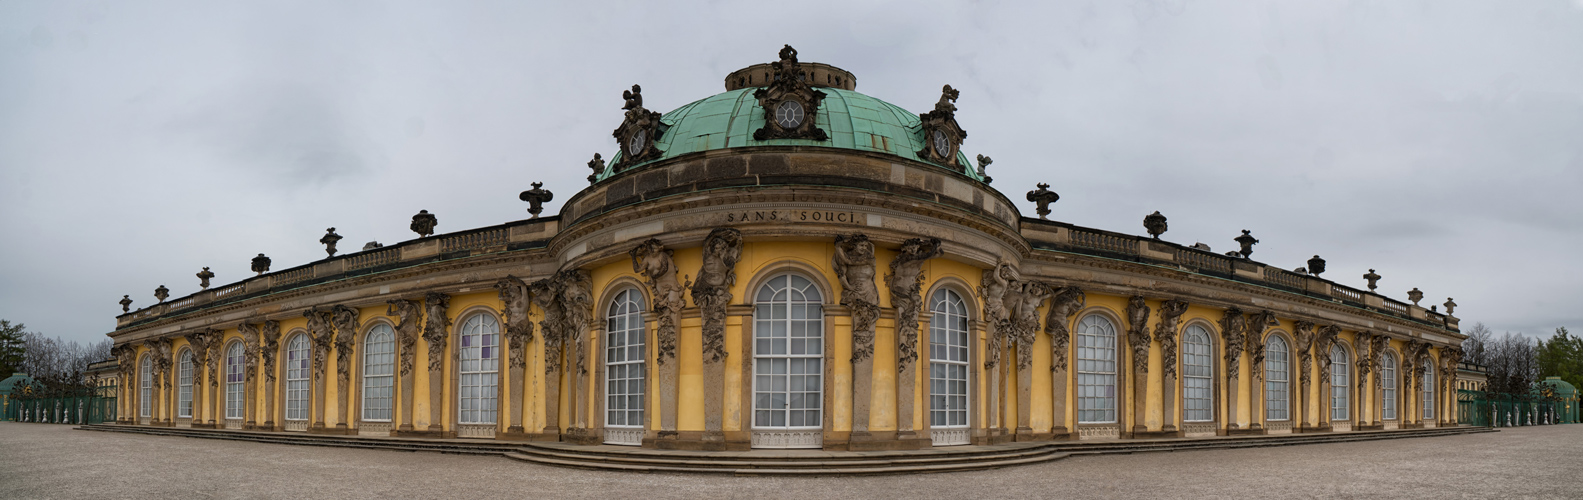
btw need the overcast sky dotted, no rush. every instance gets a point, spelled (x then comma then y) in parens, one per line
(1439, 142)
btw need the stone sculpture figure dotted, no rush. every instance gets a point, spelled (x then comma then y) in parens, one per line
(638, 132)
(577, 311)
(203, 278)
(789, 103)
(993, 286)
(322, 336)
(424, 223)
(1257, 324)
(519, 327)
(854, 267)
(261, 264)
(409, 318)
(942, 134)
(1377, 344)
(250, 352)
(269, 335)
(1322, 343)
(1303, 337)
(905, 282)
(344, 319)
(435, 328)
(598, 166)
(1233, 327)
(712, 292)
(545, 294)
(1043, 197)
(656, 263)
(1025, 319)
(126, 303)
(536, 199)
(161, 352)
(1165, 331)
(983, 164)
(125, 362)
(1138, 333)
(1064, 303)
(329, 240)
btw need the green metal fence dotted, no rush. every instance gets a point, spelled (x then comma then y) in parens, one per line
(1506, 410)
(90, 405)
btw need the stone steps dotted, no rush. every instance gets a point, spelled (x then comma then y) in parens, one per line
(786, 462)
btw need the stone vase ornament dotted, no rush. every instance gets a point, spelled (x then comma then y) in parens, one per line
(423, 223)
(1043, 197)
(329, 240)
(1246, 241)
(203, 278)
(1316, 265)
(1415, 295)
(161, 293)
(1373, 279)
(536, 199)
(126, 303)
(1155, 224)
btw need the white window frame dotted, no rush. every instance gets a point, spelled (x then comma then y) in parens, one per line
(1277, 380)
(235, 377)
(949, 372)
(1428, 390)
(1340, 395)
(379, 367)
(478, 383)
(184, 384)
(299, 390)
(146, 392)
(626, 380)
(765, 358)
(1096, 371)
(1388, 387)
(1198, 386)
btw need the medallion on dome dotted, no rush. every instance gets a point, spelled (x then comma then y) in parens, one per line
(942, 136)
(790, 104)
(638, 132)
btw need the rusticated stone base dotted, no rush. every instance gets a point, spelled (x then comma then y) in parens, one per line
(1155, 434)
(888, 440)
(693, 441)
(1314, 429)
(423, 433)
(1245, 432)
(331, 431)
(584, 437)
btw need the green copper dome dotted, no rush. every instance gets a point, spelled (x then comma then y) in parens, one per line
(852, 120)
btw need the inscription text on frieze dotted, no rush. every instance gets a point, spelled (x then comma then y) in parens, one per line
(793, 216)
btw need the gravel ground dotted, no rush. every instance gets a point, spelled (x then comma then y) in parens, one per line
(53, 461)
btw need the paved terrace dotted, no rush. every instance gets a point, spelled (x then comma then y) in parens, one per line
(53, 461)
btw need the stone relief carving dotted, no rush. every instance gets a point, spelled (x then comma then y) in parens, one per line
(577, 311)
(712, 292)
(322, 337)
(424, 223)
(545, 294)
(905, 280)
(261, 264)
(1170, 314)
(657, 264)
(345, 323)
(329, 240)
(1138, 333)
(435, 305)
(199, 341)
(161, 350)
(1303, 336)
(1376, 348)
(1064, 303)
(1365, 362)
(1322, 343)
(1257, 324)
(519, 328)
(942, 135)
(125, 359)
(1233, 327)
(854, 267)
(536, 199)
(993, 287)
(271, 337)
(1043, 197)
(1024, 299)
(408, 316)
(203, 278)
(250, 351)
(790, 105)
(638, 132)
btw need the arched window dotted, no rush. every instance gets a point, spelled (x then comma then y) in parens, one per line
(1429, 390)
(1388, 386)
(480, 369)
(948, 361)
(1338, 383)
(1277, 366)
(145, 393)
(379, 361)
(1197, 375)
(184, 383)
(788, 354)
(234, 370)
(1096, 370)
(297, 378)
(624, 368)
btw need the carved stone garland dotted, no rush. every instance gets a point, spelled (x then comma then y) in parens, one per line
(790, 104)
(657, 264)
(942, 135)
(712, 294)
(855, 269)
(435, 327)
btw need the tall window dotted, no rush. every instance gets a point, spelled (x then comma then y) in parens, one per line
(184, 382)
(1096, 370)
(146, 391)
(1429, 390)
(624, 369)
(297, 378)
(1338, 383)
(947, 360)
(1277, 366)
(379, 361)
(480, 353)
(234, 370)
(1388, 386)
(788, 354)
(1197, 375)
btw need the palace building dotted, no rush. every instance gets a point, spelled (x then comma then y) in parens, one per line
(787, 264)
